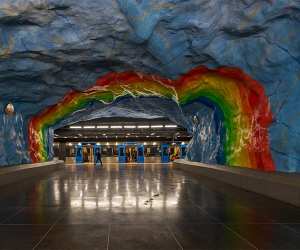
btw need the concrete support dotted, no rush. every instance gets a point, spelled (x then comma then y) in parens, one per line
(18, 173)
(281, 186)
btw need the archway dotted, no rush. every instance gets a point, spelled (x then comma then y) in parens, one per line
(241, 100)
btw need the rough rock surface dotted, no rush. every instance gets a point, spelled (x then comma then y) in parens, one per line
(48, 47)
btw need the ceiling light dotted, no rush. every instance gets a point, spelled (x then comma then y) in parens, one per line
(147, 136)
(145, 143)
(143, 126)
(115, 126)
(70, 144)
(117, 143)
(129, 126)
(182, 143)
(107, 143)
(79, 144)
(152, 133)
(156, 126)
(104, 134)
(98, 143)
(102, 126)
(75, 127)
(171, 126)
(88, 127)
(154, 143)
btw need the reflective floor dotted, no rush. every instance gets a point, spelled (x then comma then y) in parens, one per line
(136, 207)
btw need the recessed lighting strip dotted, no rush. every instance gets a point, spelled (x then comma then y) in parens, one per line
(75, 127)
(171, 126)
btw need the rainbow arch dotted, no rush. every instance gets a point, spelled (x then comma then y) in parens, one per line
(242, 101)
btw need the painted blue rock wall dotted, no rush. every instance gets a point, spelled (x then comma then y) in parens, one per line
(49, 47)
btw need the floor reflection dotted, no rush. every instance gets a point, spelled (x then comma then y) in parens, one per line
(125, 186)
(134, 204)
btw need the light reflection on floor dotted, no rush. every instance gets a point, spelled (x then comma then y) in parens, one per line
(105, 193)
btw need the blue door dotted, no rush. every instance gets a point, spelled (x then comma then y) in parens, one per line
(79, 154)
(122, 153)
(140, 153)
(165, 153)
(182, 151)
(97, 150)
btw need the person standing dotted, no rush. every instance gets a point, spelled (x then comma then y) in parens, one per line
(98, 157)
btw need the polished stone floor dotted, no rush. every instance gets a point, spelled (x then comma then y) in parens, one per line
(137, 207)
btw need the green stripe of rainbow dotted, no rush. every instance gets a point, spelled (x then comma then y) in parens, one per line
(242, 100)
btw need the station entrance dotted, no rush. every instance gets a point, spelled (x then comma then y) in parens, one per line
(121, 140)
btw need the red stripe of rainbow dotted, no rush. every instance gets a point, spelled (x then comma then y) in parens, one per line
(242, 100)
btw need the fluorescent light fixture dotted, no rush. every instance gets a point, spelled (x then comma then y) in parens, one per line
(104, 134)
(117, 143)
(145, 143)
(70, 144)
(88, 127)
(183, 143)
(143, 126)
(156, 126)
(79, 144)
(129, 126)
(107, 143)
(152, 133)
(171, 126)
(102, 126)
(154, 143)
(98, 143)
(115, 126)
(75, 127)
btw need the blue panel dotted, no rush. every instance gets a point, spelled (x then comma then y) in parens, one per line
(79, 153)
(182, 151)
(122, 153)
(140, 154)
(165, 153)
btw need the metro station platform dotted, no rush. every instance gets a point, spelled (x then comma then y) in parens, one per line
(141, 206)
